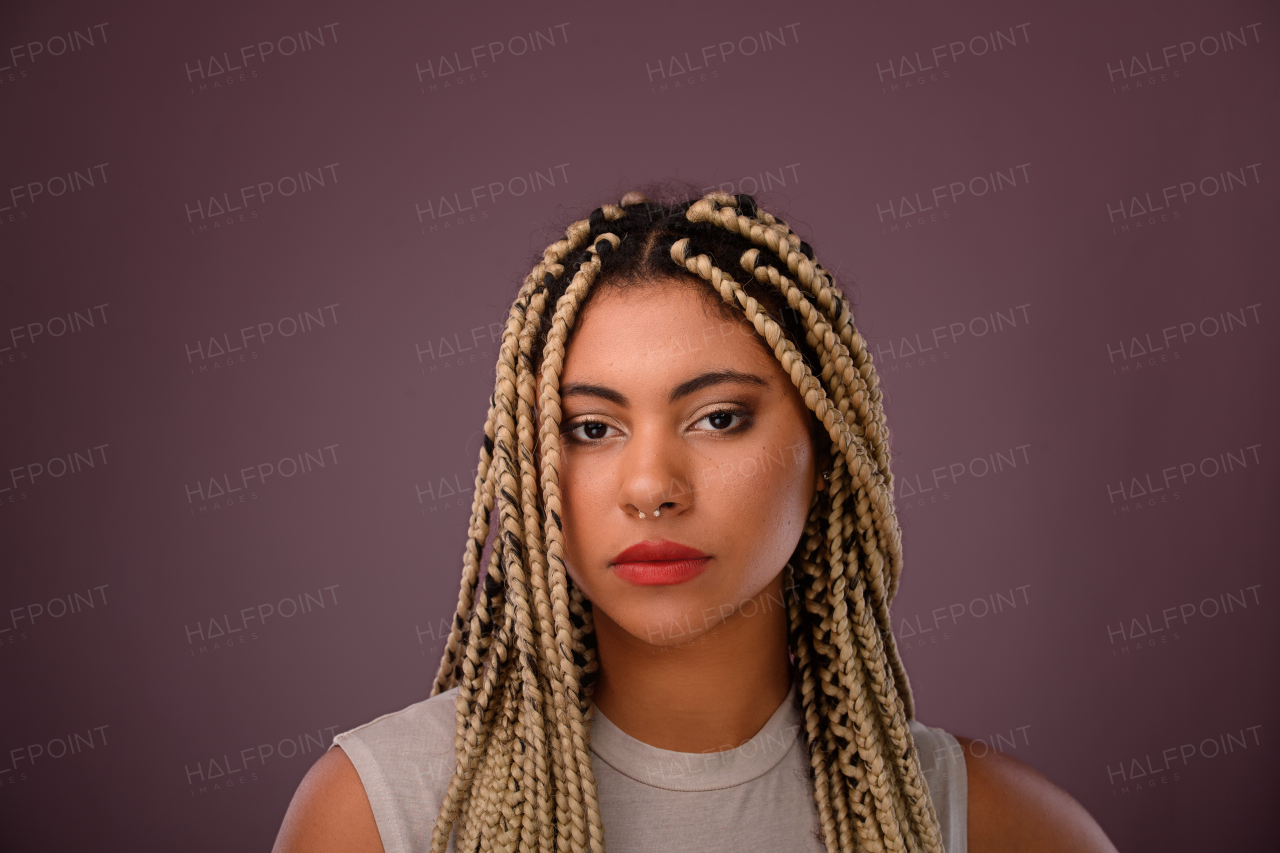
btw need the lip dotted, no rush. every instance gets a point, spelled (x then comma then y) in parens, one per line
(659, 563)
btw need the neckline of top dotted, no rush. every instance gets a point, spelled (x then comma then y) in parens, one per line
(698, 771)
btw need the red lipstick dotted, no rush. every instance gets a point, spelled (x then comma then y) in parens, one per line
(659, 563)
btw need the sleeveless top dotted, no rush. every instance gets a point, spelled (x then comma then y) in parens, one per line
(758, 796)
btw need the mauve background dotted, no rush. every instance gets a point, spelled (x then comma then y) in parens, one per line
(374, 533)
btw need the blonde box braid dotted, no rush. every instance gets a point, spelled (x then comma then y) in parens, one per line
(521, 650)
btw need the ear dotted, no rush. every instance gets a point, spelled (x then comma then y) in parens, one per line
(822, 456)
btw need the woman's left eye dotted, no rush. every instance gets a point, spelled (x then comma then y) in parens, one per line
(722, 421)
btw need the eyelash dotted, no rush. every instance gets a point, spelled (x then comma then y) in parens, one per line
(744, 421)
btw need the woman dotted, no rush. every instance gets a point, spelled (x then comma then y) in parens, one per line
(681, 637)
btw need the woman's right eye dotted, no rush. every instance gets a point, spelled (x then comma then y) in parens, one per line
(590, 431)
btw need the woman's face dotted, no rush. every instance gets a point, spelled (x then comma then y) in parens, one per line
(666, 404)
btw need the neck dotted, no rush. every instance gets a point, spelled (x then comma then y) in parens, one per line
(708, 695)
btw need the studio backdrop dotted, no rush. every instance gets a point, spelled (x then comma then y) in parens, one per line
(256, 261)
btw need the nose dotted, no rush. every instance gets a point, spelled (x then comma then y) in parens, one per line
(654, 480)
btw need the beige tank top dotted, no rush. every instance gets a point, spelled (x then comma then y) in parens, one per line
(756, 797)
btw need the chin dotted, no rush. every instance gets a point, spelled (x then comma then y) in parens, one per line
(659, 615)
(675, 627)
(676, 616)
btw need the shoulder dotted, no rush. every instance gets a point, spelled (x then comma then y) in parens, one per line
(366, 794)
(419, 731)
(329, 811)
(1013, 807)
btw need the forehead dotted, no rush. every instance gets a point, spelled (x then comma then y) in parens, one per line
(661, 331)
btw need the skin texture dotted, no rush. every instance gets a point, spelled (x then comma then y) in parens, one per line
(699, 666)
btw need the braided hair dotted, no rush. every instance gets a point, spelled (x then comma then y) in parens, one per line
(521, 650)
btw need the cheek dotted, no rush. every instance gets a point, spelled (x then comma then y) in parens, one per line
(764, 511)
(584, 501)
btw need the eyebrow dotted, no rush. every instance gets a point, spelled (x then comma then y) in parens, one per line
(713, 378)
(583, 389)
(705, 380)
